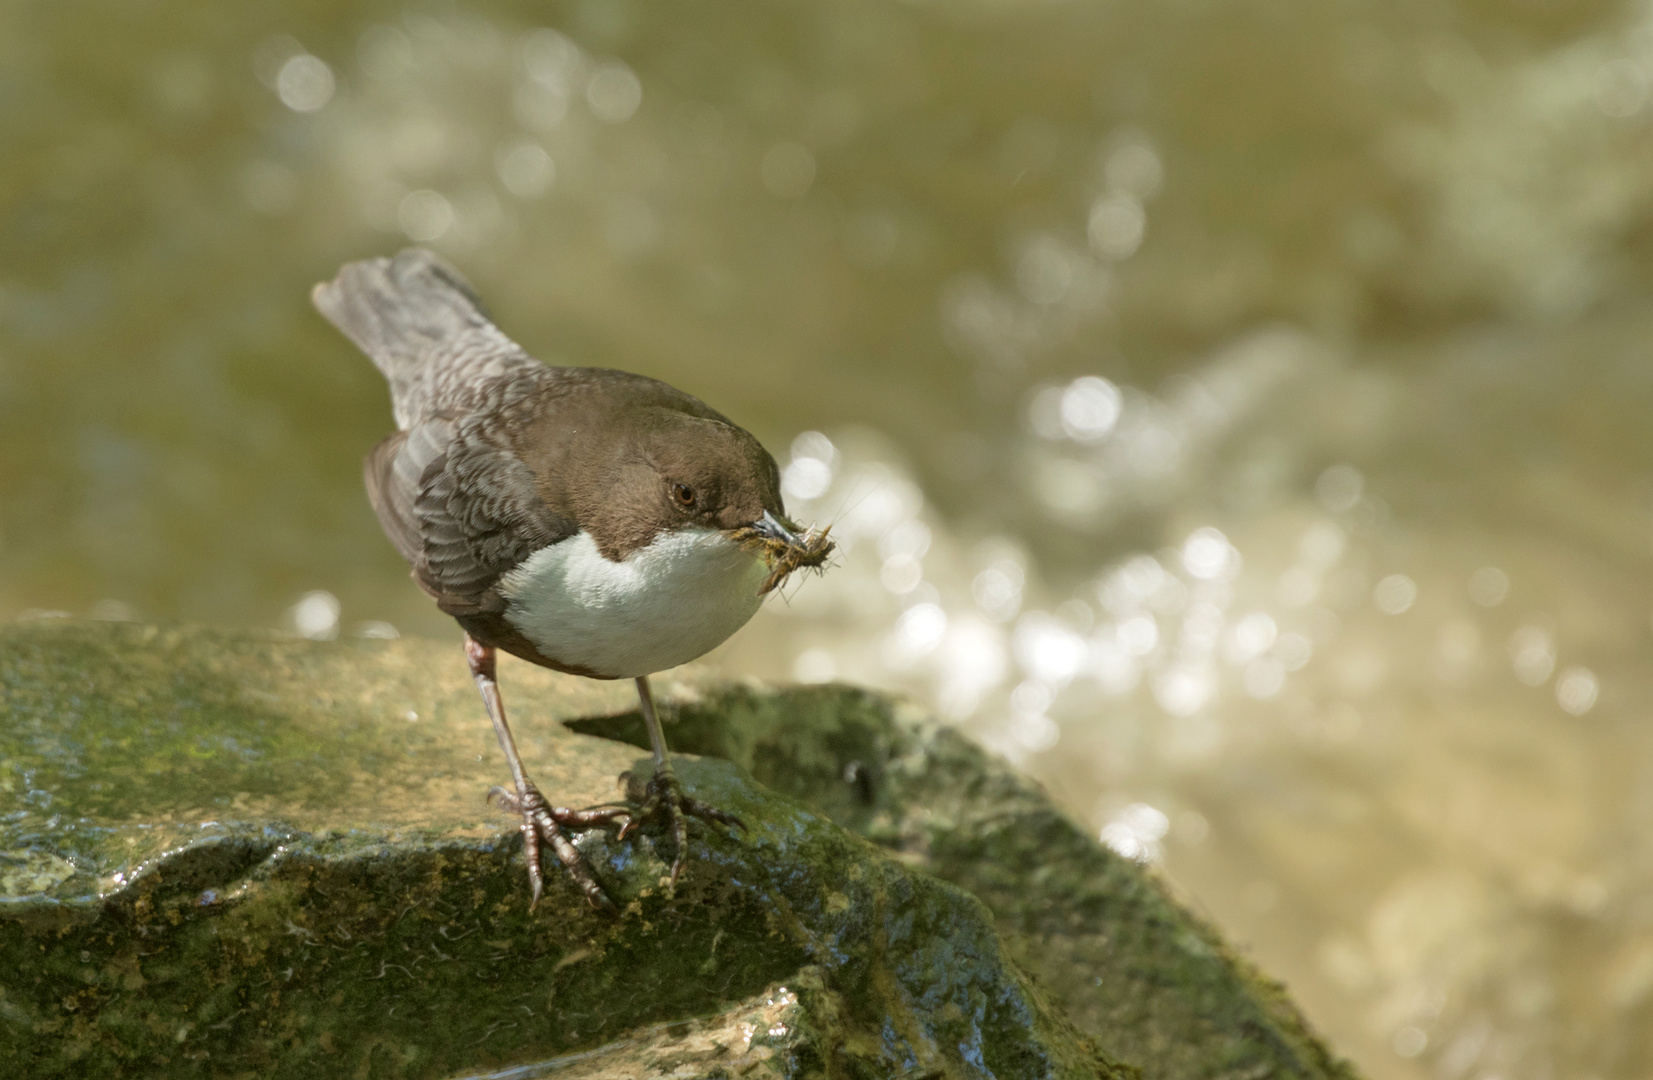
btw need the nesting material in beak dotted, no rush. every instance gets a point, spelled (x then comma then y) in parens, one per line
(782, 548)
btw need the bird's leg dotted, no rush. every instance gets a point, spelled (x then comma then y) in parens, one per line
(663, 795)
(540, 820)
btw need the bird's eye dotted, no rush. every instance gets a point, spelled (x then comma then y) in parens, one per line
(683, 494)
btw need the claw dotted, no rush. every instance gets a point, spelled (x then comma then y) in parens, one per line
(543, 822)
(663, 794)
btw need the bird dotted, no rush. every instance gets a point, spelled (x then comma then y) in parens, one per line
(584, 519)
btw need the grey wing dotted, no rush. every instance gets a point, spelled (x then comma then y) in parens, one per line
(392, 496)
(461, 508)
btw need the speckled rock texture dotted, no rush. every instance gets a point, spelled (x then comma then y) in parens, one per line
(228, 855)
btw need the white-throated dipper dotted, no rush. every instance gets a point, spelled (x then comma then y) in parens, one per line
(587, 520)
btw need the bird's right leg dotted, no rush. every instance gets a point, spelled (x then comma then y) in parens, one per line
(540, 820)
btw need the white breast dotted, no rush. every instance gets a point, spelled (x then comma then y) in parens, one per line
(666, 604)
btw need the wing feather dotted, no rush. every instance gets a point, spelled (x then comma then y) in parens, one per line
(461, 507)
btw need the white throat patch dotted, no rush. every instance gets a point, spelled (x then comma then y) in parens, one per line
(666, 604)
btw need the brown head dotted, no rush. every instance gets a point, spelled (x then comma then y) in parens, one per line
(659, 469)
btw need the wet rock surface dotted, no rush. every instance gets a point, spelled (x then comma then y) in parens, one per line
(230, 855)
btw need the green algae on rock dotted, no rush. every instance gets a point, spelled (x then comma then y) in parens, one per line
(231, 855)
(1125, 962)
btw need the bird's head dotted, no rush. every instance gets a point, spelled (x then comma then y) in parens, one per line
(672, 471)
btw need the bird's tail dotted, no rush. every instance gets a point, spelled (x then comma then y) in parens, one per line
(417, 319)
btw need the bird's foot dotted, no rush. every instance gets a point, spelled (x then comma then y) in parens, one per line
(662, 796)
(544, 823)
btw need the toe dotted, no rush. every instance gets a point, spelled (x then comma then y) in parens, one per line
(696, 808)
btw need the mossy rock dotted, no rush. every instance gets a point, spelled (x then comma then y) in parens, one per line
(227, 855)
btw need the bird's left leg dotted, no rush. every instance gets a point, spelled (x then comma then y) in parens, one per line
(663, 795)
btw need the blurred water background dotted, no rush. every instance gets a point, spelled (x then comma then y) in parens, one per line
(1236, 413)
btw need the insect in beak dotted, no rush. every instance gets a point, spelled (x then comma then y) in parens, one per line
(781, 545)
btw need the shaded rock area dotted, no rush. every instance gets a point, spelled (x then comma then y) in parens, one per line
(230, 855)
